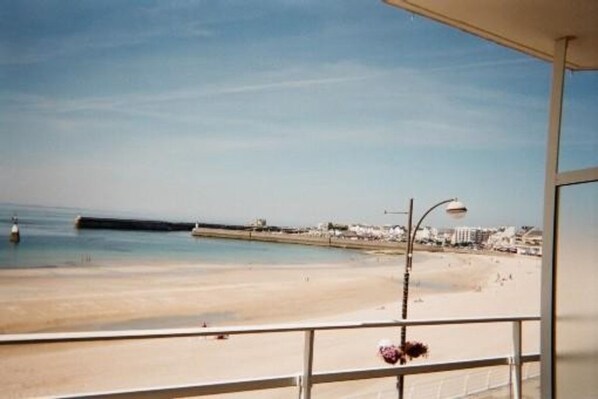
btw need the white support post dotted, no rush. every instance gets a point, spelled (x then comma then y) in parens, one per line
(439, 392)
(466, 384)
(550, 218)
(308, 359)
(516, 363)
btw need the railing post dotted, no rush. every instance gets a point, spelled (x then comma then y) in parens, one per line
(439, 392)
(466, 384)
(308, 359)
(516, 363)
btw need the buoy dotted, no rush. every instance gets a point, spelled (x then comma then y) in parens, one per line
(15, 235)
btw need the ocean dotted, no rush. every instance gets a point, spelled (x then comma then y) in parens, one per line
(49, 239)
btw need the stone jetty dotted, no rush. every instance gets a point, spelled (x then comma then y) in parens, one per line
(86, 222)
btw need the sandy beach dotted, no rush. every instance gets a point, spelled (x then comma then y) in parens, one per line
(161, 295)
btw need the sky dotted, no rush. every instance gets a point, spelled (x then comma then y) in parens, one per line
(298, 112)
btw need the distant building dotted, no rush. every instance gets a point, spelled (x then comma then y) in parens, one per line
(502, 240)
(423, 234)
(529, 241)
(477, 236)
(259, 223)
(366, 231)
(463, 236)
(532, 237)
(397, 233)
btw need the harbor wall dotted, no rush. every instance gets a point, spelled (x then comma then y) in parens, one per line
(87, 222)
(130, 224)
(302, 239)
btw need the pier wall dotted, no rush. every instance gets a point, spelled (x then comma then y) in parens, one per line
(298, 239)
(130, 224)
(87, 222)
(241, 232)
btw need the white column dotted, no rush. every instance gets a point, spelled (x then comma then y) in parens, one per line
(516, 382)
(308, 360)
(550, 217)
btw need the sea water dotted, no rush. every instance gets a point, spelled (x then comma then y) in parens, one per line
(49, 238)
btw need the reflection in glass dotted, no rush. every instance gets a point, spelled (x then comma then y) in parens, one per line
(576, 306)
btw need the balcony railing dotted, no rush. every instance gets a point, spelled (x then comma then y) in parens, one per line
(305, 379)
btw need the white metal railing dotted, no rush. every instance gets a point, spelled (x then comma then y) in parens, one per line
(457, 386)
(307, 378)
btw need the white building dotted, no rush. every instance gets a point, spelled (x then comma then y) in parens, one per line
(471, 235)
(463, 235)
(503, 239)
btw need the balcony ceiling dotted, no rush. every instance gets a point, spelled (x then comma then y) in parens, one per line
(529, 26)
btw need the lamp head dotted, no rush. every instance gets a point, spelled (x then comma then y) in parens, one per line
(456, 209)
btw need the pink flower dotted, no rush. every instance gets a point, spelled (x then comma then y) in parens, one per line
(391, 354)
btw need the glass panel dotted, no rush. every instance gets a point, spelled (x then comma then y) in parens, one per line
(576, 327)
(579, 130)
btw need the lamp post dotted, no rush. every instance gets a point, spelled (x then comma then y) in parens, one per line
(455, 209)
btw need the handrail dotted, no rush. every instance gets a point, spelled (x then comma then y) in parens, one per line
(176, 391)
(286, 381)
(304, 380)
(363, 374)
(42, 338)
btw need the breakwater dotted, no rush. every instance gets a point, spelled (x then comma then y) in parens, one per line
(86, 222)
(303, 239)
(272, 234)
(83, 222)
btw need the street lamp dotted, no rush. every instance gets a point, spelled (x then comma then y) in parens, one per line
(455, 209)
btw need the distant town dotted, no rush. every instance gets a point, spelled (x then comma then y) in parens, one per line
(524, 240)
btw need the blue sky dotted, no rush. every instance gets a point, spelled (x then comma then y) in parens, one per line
(294, 111)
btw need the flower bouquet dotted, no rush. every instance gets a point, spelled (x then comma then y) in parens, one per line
(391, 353)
